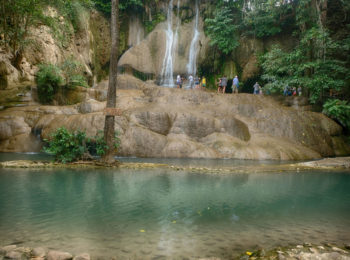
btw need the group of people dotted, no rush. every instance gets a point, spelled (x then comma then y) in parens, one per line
(288, 91)
(257, 89)
(199, 83)
(195, 82)
(222, 84)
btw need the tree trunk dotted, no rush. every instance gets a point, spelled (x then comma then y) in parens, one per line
(109, 131)
(4, 22)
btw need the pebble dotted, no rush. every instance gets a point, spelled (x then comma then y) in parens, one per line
(38, 252)
(14, 255)
(336, 249)
(281, 257)
(313, 250)
(58, 255)
(84, 256)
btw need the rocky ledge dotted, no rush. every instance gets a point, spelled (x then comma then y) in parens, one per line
(175, 123)
(328, 164)
(301, 252)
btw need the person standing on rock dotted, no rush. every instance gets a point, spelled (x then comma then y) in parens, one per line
(178, 81)
(204, 82)
(190, 80)
(224, 84)
(256, 88)
(235, 85)
(196, 82)
(299, 91)
(220, 85)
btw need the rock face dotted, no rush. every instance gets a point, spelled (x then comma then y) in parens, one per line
(89, 46)
(162, 122)
(147, 55)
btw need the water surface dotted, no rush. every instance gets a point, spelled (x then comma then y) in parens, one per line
(160, 213)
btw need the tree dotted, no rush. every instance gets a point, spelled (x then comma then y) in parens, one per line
(317, 63)
(16, 17)
(222, 31)
(109, 132)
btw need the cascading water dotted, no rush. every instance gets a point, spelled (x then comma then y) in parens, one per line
(167, 74)
(191, 65)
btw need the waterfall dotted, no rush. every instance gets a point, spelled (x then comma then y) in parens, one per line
(191, 65)
(167, 74)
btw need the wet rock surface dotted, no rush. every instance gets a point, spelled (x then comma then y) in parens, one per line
(328, 164)
(297, 252)
(162, 122)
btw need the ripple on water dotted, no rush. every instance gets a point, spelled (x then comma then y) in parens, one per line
(115, 207)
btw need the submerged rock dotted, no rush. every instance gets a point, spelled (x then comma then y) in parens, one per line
(38, 252)
(58, 255)
(84, 256)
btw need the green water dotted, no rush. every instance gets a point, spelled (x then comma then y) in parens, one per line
(183, 215)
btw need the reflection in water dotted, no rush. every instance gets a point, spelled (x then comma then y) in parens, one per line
(152, 213)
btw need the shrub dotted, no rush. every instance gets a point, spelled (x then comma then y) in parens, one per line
(48, 81)
(66, 146)
(73, 73)
(69, 147)
(339, 110)
(98, 144)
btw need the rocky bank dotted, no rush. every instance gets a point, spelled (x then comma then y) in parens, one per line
(162, 122)
(301, 252)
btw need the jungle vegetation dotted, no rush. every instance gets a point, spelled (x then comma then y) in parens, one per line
(318, 61)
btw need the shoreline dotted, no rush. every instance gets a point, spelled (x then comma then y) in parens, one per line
(326, 164)
(303, 251)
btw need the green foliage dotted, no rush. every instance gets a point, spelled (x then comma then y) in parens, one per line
(338, 110)
(100, 143)
(103, 6)
(16, 17)
(48, 81)
(66, 146)
(73, 71)
(222, 31)
(124, 5)
(74, 11)
(158, 18)
(51, 78)
(130, 4)
(318, 73)
(72, 146)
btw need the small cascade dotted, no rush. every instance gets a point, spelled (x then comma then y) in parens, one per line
(192, 58)
(167, 74)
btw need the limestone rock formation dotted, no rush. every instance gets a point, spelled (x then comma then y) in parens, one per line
(86, 46)
(147, 56)
(162, 122)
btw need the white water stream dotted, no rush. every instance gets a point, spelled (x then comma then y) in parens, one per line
(192, 58)
(167, 74)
